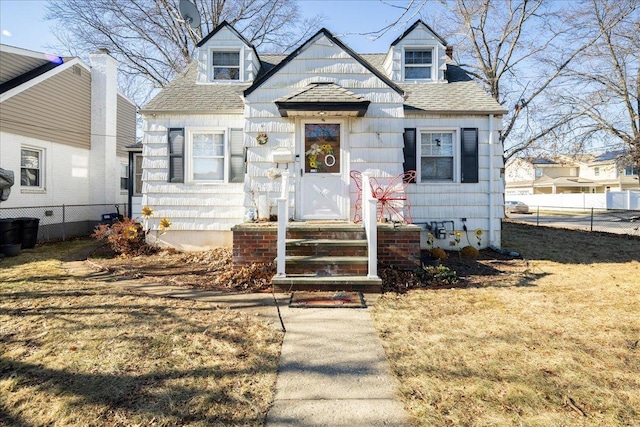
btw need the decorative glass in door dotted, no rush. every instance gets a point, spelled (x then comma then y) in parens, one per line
(322, 148)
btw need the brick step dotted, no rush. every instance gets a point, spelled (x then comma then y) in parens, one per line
(320, 283)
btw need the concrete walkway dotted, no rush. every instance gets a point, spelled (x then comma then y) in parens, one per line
(333, 369)
(333, 372)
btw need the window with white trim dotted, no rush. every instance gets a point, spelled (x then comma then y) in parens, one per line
(437, 150)
(215, 156)
(596, 171)
(31, 168)
(207, 156)
(418, 64)
(124, 177)
(225, 65)
(137, 174)
(630, 171)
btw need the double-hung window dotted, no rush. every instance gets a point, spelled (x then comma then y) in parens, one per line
(124, 177)
(436, 156)
(31, 168)
(630, 171)
(418, 64)
(225, 65)
(207, 156)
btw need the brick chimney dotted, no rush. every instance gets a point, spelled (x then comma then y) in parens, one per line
(449, 51)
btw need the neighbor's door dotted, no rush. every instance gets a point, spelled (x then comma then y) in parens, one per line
(324, 190)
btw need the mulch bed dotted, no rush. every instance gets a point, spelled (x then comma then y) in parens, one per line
(214, 270)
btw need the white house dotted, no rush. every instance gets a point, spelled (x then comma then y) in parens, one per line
(565, 174)
(63, 129)
(219, 136)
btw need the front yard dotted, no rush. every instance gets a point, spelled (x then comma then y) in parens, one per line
(83, 353)
(557, 345)
(549, 340)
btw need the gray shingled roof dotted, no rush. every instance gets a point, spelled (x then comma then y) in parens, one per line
(184, 95)
(460, 95)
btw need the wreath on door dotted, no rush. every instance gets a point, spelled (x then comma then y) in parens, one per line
(317, 150)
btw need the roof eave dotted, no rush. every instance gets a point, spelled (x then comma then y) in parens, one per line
(360, 107)
(410, 109)
(189, 112)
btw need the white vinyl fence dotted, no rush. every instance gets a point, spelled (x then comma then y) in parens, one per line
(626, 200)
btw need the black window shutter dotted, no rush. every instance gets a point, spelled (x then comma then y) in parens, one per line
(409, 149)
(469, 162)
(176, 155)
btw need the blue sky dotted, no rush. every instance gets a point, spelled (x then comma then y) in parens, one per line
(23, 25)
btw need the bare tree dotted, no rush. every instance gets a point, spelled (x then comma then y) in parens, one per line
(520, 50)
(605, 83)
(153, 43)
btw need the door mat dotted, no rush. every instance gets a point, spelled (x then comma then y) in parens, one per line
(327, 300)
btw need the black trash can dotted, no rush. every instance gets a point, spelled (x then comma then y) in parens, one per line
(29, 232)
(9, 231)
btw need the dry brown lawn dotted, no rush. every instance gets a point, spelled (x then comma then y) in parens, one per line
(555, 344)
(84, 353)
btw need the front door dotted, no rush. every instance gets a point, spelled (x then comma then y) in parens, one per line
(324, 189)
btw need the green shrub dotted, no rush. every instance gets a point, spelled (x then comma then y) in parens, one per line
(470, 252)
(437, 276)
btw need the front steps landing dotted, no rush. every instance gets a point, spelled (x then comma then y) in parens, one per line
(294, 282)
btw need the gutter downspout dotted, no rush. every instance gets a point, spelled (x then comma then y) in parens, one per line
(491, 178)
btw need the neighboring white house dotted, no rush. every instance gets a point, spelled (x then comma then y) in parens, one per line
(63, 129)
(565, 174)
(214, 137)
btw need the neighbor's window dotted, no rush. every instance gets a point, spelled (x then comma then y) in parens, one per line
(539, 172)
(630, 171)
(31, 160)
(436, 156)
(596, 171)
(226, 65)
(124, 177)
(137, 174)
(418, 64)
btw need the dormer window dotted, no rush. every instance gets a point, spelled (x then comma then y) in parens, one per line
(418, 64)
(225, 65)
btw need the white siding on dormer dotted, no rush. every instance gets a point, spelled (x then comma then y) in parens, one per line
(226, 40)
(419, 38)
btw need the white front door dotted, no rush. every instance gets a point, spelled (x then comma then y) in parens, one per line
(324, 181)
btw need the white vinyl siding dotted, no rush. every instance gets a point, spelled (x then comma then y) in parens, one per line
(31, 168)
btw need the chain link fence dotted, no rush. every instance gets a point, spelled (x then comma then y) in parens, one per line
(616, 221)
(63, 222)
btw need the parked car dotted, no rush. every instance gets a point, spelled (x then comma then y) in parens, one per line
(513, 206)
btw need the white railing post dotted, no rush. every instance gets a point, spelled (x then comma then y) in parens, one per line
(369, 206)
(283, 218)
